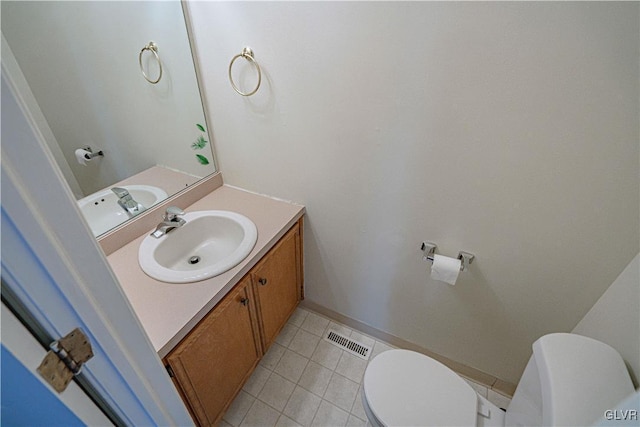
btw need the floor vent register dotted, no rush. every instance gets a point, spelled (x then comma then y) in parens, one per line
(347, 344)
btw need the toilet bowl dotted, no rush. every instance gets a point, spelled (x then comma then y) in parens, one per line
(569, 380)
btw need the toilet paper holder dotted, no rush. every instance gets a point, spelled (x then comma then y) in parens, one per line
(429, 249)
(90, 155)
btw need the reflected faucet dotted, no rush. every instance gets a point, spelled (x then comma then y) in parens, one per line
(170, 221)
(127, 202)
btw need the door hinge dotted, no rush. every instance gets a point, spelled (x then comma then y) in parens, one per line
(65, 359)
(169, 370)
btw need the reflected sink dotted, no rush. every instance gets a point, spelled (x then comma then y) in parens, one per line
(103, 213)
(210, 243)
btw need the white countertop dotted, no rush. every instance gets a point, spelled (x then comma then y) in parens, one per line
(168, 311)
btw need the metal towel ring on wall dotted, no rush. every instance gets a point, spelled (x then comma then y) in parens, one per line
(153, 48)
(247, 54)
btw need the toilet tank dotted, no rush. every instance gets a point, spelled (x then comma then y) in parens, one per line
(569, 380)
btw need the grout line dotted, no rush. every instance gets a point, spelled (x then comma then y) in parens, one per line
(270, 406)
(245, 415)
(287, 402)
(316, 411)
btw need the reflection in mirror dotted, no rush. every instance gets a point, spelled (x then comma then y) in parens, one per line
(79, 68)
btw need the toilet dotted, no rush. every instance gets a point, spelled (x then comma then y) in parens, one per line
(569, 380)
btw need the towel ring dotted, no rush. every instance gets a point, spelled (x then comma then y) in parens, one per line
(153, 48)
(247, 54)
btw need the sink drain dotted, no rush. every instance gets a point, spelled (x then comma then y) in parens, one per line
(194, 259)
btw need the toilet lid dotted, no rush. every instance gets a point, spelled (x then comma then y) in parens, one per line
(405, 388)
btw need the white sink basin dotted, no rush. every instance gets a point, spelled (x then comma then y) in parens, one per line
(210, 243)
(102, 211)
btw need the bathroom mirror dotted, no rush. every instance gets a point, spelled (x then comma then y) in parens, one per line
(87, 72)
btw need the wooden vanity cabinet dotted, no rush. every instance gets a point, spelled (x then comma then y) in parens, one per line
(211, 364)
(276, 280)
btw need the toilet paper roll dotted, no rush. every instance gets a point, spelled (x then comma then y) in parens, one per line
(80, 156)
(445, 269)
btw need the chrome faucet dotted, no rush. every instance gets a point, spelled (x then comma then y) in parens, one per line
(127, 202)
(170, 221)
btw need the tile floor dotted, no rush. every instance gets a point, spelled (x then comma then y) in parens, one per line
(306, 381)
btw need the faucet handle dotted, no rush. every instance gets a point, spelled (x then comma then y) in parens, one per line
(172, 213)
(120, 192)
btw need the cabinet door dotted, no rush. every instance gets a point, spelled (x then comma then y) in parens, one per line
(277, 285)
(212, 363)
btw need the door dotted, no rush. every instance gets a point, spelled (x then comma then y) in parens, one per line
(54, 266)
(212, 363)
(276, 285)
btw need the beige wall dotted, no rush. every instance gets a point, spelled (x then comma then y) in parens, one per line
(509, 130)
(615, 318)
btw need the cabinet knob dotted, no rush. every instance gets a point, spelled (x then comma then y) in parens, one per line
(262, 281)
(244, 301)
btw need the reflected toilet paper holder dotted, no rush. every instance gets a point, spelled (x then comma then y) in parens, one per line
(429, 249)
(90, 155)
